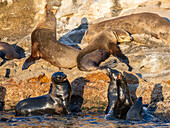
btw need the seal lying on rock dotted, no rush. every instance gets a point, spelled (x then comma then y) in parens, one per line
(56, 102)
(149, 23)
(99, 49)
(8, 52)
(45, 45)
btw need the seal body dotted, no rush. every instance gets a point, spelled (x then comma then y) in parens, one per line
(149, 23)
(135, 112)
(45, 45)
(7, 52)
(56, 102)
(123, 101)
(112, 91)
(99, 49)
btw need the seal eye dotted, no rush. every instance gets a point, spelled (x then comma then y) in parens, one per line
(122, 37)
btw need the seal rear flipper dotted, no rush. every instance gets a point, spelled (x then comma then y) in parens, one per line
(31, 60)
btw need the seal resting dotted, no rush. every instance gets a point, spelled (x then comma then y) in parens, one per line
(8, 52)
(45, 45)
(56, 102)
(135, 112)
(149, 23)
(99, 49)
(123, 101)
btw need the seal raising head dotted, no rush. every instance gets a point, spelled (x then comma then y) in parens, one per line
(123, 101)
(55, 102)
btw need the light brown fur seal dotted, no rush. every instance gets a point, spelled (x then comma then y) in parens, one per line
(45, 45)
(99, 49)
(8, 52)
(149, 23)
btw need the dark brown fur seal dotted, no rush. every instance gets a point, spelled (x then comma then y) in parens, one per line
(99, 49)
(56, 102)
(149, 23)
(45, 45)
(123, 101)
(8, 52)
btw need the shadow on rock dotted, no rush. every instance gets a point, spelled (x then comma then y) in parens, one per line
(167, 19)
(133, 83)
(74, 37)
(156, 96)
(77, 94)
(2, 97)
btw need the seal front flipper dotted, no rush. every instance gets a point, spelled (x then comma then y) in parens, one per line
(31, 60)
(115, 51)
(35, 55)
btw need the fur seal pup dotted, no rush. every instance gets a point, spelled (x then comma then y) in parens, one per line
(135, 112)
(112, 90)
(8, 52)
(149, 23)
(123, 101)
(45, 45)
(104, 44)
(56, 102)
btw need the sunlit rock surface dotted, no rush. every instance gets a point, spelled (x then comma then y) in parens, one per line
(149, 58)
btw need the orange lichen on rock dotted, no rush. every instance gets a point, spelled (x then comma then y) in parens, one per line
(17, 91)
(168, 82)
(97, 77)
(42, 78)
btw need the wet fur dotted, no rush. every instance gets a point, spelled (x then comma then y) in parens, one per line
(123, 101)
(56, 102)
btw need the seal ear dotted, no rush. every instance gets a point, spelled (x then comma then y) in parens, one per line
(115, 34)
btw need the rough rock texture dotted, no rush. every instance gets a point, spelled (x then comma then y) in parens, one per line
(149, 57)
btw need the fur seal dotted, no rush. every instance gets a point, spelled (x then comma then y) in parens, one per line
(8, 52)
(45, 45)
(123, 101)
(135, 112)
(99, 49)
(149, 23)
(112, 90)
(56, 102)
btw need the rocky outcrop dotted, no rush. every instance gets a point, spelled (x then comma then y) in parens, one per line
(149, 57)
